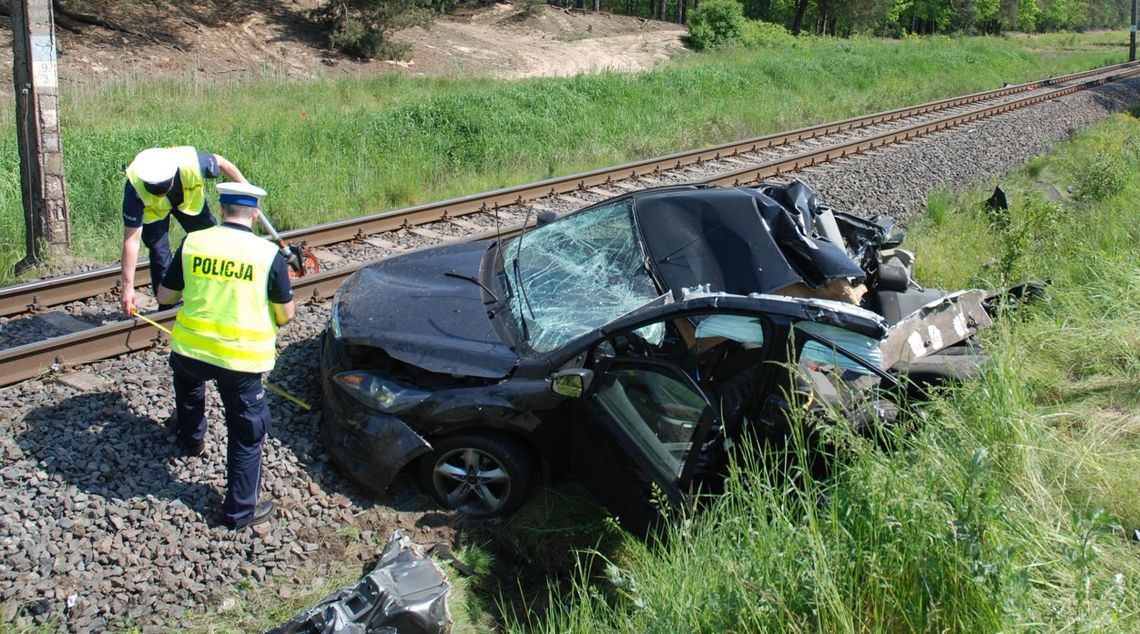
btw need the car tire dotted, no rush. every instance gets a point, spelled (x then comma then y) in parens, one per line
(480, 475)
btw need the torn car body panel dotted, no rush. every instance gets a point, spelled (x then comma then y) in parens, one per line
(935, 326)
(736, 240)
(372, 450)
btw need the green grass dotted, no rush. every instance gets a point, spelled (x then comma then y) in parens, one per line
(1010, 506)
(334, 149)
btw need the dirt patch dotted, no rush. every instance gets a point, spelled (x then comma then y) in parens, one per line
(213, 40)
(504, 42)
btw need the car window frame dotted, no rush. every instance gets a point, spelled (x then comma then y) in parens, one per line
(675, 485)
(677, 376)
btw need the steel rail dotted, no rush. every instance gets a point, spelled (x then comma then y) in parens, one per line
(103, 342)
(31, 360)
(804, 160)
(42, 294)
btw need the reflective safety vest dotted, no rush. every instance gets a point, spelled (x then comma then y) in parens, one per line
(193, 188)
(226, 318)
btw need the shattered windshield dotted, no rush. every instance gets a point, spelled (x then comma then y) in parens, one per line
(576, 274)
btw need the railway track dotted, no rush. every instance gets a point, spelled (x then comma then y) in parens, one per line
(736, 163)
(39, 295)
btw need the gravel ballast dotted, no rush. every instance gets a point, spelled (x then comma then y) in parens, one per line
(103, 525)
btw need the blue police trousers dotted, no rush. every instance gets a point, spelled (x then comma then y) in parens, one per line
(156, 238)
(247, 423)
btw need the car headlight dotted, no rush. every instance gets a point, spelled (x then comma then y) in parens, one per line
(379, 393)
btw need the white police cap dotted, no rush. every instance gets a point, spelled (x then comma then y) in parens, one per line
(240, 194)
(155, 165)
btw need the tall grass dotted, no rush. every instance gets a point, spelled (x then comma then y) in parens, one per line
(334, 149)
(1011, 506)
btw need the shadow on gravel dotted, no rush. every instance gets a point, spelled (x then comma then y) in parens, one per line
(1117, 96)
(101, 447)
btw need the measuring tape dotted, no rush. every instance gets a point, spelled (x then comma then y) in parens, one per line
(272, 388)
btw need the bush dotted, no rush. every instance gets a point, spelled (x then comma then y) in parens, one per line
(531, 8)
(720, 23)
(363, 27)
(761, 34)
(1103, 175)
(717, 23)
(357, 38)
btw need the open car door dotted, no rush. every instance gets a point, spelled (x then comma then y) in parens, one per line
(666, 385)
(638, 437)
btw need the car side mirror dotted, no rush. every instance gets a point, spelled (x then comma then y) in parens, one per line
(571, 383)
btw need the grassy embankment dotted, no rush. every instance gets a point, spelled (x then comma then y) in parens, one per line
(335, 149)
(1011, 506)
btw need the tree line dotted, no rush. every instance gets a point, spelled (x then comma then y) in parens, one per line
(844, 18)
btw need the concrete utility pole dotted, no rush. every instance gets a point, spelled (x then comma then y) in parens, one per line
(46, 219)
(1132, 35)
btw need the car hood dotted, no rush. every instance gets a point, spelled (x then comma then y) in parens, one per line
(406, 306)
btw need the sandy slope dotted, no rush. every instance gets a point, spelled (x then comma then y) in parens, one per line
(276, 39)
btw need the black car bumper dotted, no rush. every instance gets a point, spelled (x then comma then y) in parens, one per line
(370, 446)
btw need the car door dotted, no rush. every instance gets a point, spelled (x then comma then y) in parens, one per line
(654, 407)
(635, 436)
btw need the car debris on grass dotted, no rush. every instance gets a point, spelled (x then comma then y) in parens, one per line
(404, 592)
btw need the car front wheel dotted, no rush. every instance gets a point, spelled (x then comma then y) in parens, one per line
(483, 476)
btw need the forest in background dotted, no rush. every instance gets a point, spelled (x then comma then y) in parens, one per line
(893, 18)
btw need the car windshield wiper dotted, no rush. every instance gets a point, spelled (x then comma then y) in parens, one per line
(473, 280)
(522, 288)
(522, 298)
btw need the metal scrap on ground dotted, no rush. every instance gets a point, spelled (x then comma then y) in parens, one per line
(405, 592)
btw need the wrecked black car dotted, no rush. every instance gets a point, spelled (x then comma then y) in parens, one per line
(630, 344)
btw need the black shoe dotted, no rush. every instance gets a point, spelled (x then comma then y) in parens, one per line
(262, 513)
(198, 449)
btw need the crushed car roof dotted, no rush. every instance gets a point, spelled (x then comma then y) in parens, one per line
(736, 240)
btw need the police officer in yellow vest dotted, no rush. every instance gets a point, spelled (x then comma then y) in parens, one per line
(235, 291)
(164, 182)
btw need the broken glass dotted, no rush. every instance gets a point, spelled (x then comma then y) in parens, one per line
(576, 274)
